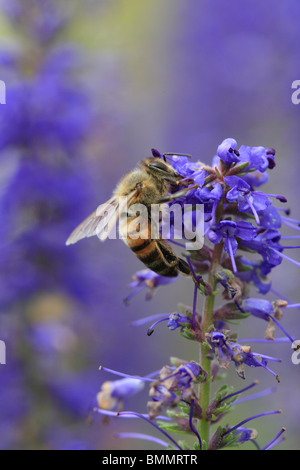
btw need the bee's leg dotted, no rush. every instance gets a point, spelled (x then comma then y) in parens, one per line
(176, 182)
(178, 194)
(172, 259)
(183, 267)
(171, 180)
(167, 252)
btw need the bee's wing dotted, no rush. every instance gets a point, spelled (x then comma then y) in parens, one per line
(90, 226)
(102, 221)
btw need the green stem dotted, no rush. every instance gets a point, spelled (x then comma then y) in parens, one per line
(206, 363)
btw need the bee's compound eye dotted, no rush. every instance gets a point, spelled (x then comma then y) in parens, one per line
(157, 165)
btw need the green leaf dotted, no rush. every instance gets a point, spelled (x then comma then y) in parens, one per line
(174, 428)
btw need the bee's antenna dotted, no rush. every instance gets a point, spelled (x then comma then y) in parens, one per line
(157, 154)
(177, 154)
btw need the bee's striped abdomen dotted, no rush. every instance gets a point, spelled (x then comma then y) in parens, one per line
(139, 247)
(155, 254)
(155, 261)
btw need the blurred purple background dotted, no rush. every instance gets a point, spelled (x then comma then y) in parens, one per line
(90, 90)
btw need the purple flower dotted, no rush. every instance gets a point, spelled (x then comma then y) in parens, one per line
(261, 308)
(268, 311)
(43, 132)
(245, 434)
(161, 396)
(255, 272)
(247, 200)
(177, 320)
(227, 151)
(229, 231)
(39, 205)
(256, 178)
(227, 351)
(210, 198)
(213, 194)
(183, 165)
(186, 374)
(267, 245)
(172, 386)
(271, 158)
(149, 280)
(24, 122)
(239, 426)
(256, 156)
(270, 218)
(113, 393)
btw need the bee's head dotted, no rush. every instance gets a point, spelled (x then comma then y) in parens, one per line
(160, 169)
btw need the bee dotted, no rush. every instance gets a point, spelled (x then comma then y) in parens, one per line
(151, 182)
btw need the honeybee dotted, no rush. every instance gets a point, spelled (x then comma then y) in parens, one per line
(151, 182)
